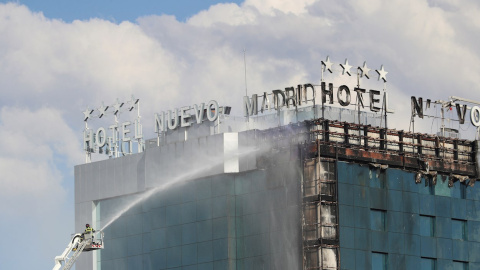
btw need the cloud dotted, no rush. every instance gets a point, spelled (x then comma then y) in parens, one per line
(229, 14)
(38, 153)
(35, 144)
(168, 62)
(272, 7)
(61, 64)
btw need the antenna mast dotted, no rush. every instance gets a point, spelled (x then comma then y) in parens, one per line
(245, 64)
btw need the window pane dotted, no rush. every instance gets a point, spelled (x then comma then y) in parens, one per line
(459, 228)
(427, 264)
(377, 220)
(459, 190)
(427, 226)
(460, 265)
(329, 256)
(377, 178)
(379, 261)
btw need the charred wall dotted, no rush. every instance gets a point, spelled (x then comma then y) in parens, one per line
(378, 197)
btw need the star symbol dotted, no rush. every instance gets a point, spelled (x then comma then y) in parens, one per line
(346, 68)
(365, 70)
(382, 74)
(102, 110)
(327, 64)
(86, 114)
(116, 107)
(133, 102)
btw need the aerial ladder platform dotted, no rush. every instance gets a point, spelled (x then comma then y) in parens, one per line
(81, 242)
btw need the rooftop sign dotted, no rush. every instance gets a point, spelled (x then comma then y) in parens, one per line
(418, 109)
(305, 94)
(118, 139)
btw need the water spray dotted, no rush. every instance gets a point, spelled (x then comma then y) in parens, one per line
(170, 183)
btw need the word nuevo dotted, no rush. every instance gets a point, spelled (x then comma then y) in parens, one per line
(306, 93)
(183, 117)
(418, 110)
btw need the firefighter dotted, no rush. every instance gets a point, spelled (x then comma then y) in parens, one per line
(88, 230)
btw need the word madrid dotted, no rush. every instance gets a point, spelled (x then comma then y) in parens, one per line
(305, 93)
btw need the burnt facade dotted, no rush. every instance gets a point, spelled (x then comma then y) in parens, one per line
(386, 199)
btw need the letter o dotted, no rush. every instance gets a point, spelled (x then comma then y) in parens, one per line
(212, 113)
(347, 97)
(475, 116)
(100, 139)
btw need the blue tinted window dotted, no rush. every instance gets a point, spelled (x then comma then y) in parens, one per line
(442, 188)
(431, 188)
(189, 254)
(463, 191)
(459, 229)
(428, 188)
(174, 257)
(377, 220)
(189, 233)
(173, 214)
(460, 265)
(377, 178)
(427, 264)
(379, 261)
(459, 190)
(427, 226)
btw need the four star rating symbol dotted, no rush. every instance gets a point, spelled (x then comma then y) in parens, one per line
(103, 110)
(327, 65)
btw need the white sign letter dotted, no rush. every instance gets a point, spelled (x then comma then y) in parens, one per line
(199, 112)
(212, 113)
(475, 116)
(184, 117)
(101, 138)
(125, 131)
(160, 122)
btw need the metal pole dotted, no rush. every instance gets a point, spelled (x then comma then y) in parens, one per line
(245, 65)
(385, 102)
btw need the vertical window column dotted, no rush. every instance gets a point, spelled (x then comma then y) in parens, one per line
(459, 229)
(379, 261)
(427, 226)
(378, 220)
(428, 264)
(460, 265)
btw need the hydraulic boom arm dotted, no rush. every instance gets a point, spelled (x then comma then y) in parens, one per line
(79, 243)
(64, 257)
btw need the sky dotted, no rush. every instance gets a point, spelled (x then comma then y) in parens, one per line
(59, 57)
